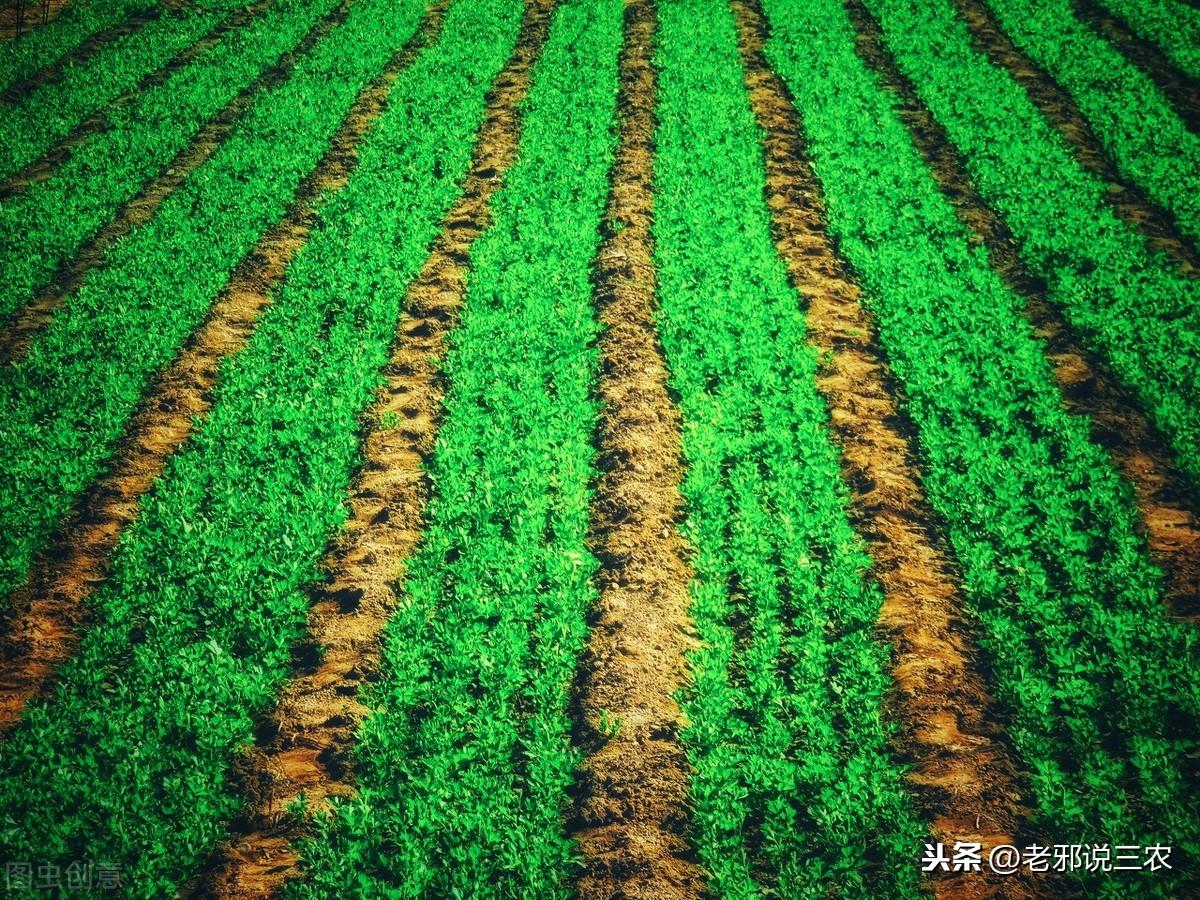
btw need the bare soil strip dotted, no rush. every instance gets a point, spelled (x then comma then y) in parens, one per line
(85, 50)
(22, 327)
(1182, 90)
(631, 813)
(1167, 504)
(303, 745)
(1128, 201)
(43, 168)
(964, 775)
(10, 21)
(46, 615)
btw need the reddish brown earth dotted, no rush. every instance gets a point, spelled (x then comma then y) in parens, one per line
(631, 813)
(1128, 201)
(45, 616)
(20, 330)
(964, 776)
(303, 745)
(13, 25)
(1166, 504)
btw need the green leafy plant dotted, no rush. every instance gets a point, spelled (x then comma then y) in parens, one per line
(1101, 689)
(38, 120)
(795, 789)
(51, 219)
(78, 21)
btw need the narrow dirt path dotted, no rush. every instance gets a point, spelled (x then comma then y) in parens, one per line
(1128, 201)
(1167, 504)
(22, 327)
(631, 814)
(9, 21)
(303, 745)
(84, 51)
(42, 625)
(964, 776)
(41, 169)
(1182, 90)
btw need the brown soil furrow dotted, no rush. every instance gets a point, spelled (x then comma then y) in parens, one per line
(84, 51)
(1057, 107)
(1167, 504)
(1181, 90)
(25, 324)
(303, 744)
(964, 775)
(46, 614)
(41, 169)
(13, 24)
(631, 813)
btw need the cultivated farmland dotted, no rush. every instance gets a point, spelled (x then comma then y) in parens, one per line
(600, 448)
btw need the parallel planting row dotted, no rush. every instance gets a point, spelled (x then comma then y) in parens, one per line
(48, 221)
(465, 767)
(1104, 708)
(65, 404)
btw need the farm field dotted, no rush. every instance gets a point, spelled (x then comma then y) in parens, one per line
(600, 448)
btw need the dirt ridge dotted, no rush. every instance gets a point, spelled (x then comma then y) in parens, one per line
(1166, 503)
(630, 814)
(303, 745)
(23, 326)
(45, 616)
(1181, 89)
(1128, 201)
(9, 21)
(964, 775)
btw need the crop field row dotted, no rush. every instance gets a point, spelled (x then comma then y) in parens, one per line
(604, 448)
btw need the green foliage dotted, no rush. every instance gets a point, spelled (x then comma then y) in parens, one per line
(1128, 303)
(75, 24)
(51, 219)
(1102, 691)
(193, 631)
(1173, 25)
(795, 790)
(464, 767)
(39, 120)
(1134, 121)
(63, 407)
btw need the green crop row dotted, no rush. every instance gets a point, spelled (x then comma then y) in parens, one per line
(464, 768)
(1171, 24)
(1102, 691)
(194, 629)
(74, 25)
(795, 791)
(48, 222)
(63, 408)
(1129, 114)
(36, 122)
(1129, 304)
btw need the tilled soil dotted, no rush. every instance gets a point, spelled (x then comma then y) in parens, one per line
(45, 616)
(1128, 201)
(631, 813)
(964, 776)
(1167, 505)
(23, 327)
(303, 745)
(12, 26)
